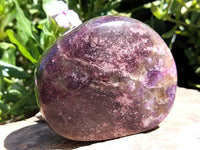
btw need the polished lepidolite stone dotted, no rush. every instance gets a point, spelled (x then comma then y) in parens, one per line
(110, 77)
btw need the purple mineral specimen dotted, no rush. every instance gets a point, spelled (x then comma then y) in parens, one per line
(110, 77)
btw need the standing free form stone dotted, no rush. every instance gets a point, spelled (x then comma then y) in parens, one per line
(110, 77)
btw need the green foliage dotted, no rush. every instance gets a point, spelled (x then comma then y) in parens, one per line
(185, 15)
(26, 32)
(88, 9)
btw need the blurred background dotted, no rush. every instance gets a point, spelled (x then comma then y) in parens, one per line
(29, 27)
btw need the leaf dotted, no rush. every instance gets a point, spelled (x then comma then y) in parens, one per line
(19, 104)
(175, 8)
(18, 107)
(3, 106)
(4, 21)
(46, 30)
(182, 2)
(197, 70)
(5, 46)
(191, 56)
(9, 56)
(22, 49)
(23, 21)
(195, 17)
(197, 85)
(1, 81)
(9, 17)
(157, 25)
(14, 71)
(157, 12)
(170, 33)
(34, 49)
(2, 3)
(15, 92)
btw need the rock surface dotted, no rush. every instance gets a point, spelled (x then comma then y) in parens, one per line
(179, 131)
(110, 77)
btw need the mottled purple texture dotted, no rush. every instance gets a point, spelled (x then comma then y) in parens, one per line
(110, 77)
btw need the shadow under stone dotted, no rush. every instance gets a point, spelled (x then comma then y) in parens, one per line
(151, 130)
(39, 137)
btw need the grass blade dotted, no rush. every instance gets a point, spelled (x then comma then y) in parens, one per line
(22, 49)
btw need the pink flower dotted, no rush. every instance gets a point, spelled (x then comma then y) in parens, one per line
(55, 7)
(68, 19)
(63, 16)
